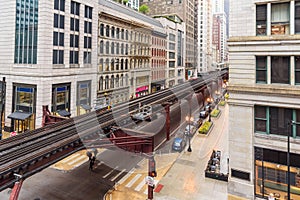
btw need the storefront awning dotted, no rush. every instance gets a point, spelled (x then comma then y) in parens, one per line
(86, 107)
(64, 113)
(19, 115)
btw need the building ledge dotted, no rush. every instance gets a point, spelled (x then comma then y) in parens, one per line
(270, 89)
(264, 38)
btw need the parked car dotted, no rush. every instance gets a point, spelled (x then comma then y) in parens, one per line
(198, 123)
(178, 144)
(189, 130)
(203, 114)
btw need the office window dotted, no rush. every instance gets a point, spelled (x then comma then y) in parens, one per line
(297, 16)
(74, 24)
(261, 69)
(74, 40)
(117, 48)
(58, 39)
(280, 18)
(280, 69)
(59, 5)
(107, 47)
(297, 70)
(261, 19)
(58, 57)
(87, 27)
(59, 21)
(117, 33)
(112, 48)
(75, 8)
(26, 32)
(73, 57)
(87, 57)
(172, 46)
(260, 119)
(171, 55)
(171, 37)
(87, 42)
(88, 12)
(297, 120)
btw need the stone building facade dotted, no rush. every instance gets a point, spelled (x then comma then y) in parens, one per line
(264, 105)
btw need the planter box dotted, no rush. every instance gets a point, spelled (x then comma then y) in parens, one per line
(213, 167)
(212, 114)
(205, 128)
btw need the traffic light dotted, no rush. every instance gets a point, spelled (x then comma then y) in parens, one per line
(153, 174)
(152, 168)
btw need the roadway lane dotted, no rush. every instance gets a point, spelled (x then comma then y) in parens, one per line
(80, 183)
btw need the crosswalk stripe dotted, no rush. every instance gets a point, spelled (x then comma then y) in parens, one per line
(139, 187)
(71, 157)
(77, 159)
(80, 163)
(137, 176)
(111, 171)
(115, 177)
(126, 176)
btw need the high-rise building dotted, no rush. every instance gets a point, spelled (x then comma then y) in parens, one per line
(205, 58)
(264, 106)
(185, 9)
(220, 30)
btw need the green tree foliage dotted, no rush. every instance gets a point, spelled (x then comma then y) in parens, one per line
(144, 9)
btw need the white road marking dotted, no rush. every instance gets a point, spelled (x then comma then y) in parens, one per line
(139, 187)
(115, 177)
(77, 159)
(137, 176)
(126, 176)
(106, 175)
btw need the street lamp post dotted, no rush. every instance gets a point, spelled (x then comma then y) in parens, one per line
(291, 123)
(189, 119)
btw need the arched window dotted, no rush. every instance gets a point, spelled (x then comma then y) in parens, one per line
(107, 64)
(112, 82)
(126, 50)
(117, 48)
(126, 79)
(112, 48)
(122, 49)
(122, 34)
(126, 34)
(118, 33)
(117, 81)
(106, 83)
(113, 32)
(112, 65)
(107, 47)
(101, 29)
(122, 64)
(126, 64)
(107, 30)
(117, 64)
(121, 80)
(101, 83)
(101, 65)
(101, 46)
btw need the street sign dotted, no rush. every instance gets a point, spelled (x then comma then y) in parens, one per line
(149, 180)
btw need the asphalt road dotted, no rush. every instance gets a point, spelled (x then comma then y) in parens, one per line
(80, 183)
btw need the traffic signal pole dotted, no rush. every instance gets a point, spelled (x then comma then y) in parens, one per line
(152, 173)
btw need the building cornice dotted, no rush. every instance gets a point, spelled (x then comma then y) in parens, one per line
(266, 38)
(262, 90)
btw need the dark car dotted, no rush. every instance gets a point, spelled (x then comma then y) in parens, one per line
(203, 114)
(198, 123)
(178, 144)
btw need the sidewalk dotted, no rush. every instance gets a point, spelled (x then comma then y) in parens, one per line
(184, 179)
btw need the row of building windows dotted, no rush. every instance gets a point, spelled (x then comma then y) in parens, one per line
(276, 120)
(123, 49)
(112, 82)
(58, 35)
(280, 67)
(111, 31)
(121, 64)
(281, 18)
